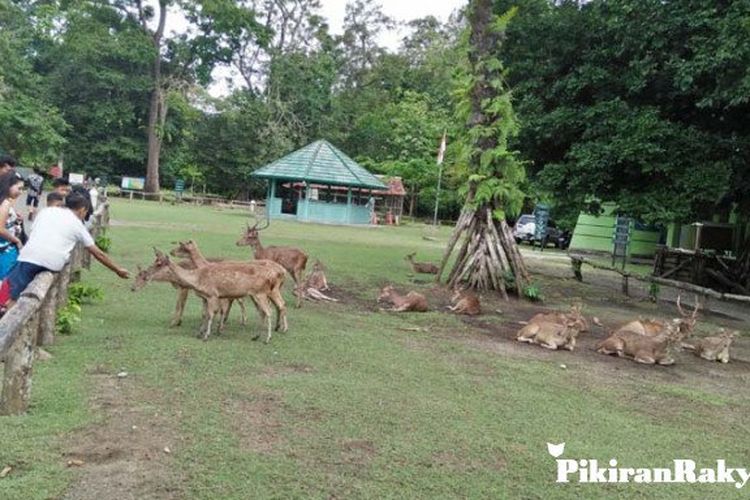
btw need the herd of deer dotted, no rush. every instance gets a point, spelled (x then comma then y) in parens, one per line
(219, 283)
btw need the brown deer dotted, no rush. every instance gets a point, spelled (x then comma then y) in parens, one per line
(551, 335)
(421, 267)
(655, 327)
(412, 301)
(315, 284)
(153, 273)
(189, 250)
(715, 348)
(231, 280)
(645, 349)
(292, 259)
(575, 316)
(465, 302)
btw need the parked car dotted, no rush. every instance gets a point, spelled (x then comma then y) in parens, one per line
(525, 228)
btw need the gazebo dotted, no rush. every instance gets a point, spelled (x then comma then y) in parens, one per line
(307, 185)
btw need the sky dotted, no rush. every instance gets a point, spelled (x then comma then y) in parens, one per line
(333, 11)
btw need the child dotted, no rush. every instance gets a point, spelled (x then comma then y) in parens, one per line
(11, 187)
(55, 199)
(56, 231)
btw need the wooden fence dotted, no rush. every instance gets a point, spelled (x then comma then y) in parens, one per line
(31, 323)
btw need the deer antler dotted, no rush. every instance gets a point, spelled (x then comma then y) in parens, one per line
(697, 307)
(679, 305)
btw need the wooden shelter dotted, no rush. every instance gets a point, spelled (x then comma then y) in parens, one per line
(319, 183)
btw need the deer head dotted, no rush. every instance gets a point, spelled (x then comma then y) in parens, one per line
(251, 237)
(385, 293)
(410, 256)
(687, 323)
(318, 266)
(183, 249)
(141, 279)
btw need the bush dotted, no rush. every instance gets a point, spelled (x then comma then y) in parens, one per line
(104, 242)
(533, 293)
(80, 293)
(67, 317)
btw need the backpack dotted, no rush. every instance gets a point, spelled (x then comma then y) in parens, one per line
(35, 182)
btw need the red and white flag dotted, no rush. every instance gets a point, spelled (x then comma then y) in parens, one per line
(441, 151)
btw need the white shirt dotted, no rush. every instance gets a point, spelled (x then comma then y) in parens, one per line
(55, 232)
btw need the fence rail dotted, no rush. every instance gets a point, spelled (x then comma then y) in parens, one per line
(31, 323)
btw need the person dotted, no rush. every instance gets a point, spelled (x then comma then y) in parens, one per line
(7, 163)
(11, 187)
(56, 232)
(55, 199)
(62, 186)
(36, 182)
(94, 195)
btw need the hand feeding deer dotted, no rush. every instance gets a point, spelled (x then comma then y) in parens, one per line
(223, 280)
(292, 259)
(189, 250)
(421, 267)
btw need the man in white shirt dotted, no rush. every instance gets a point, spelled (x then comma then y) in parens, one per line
(54, 234)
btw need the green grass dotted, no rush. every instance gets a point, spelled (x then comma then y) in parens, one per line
(345, 404)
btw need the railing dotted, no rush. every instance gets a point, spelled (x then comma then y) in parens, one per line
(31, 322)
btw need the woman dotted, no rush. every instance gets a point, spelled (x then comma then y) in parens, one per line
(11, 187)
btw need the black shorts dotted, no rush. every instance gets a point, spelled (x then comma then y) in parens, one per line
(32, 199)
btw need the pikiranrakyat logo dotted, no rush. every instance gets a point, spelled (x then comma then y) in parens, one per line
(588, 470)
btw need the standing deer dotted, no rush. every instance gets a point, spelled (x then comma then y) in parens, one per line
(233, 280)
(412, 301)
(292, 259)
(465, 302)
(421, 267)
(153, 273)
(189, 250)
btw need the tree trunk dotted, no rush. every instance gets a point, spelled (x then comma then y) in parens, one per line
(156, 112)
(488, 258)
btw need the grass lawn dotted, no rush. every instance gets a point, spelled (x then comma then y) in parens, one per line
(344, 405)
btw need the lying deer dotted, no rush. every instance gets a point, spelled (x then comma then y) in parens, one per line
(645, 349)
(658, 328)
(550, 335)
(421, 267)
(575, 316)
(233, 280)
(189, 250)
(465, 302)
(412, 301)
(715, 348)
(153, 273)
(293, 260)
(315, 284)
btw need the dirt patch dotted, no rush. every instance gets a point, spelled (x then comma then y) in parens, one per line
(254, 419)
(123, 456)
(357, 451)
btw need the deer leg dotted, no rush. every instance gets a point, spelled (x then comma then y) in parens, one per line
(297, 276)
(665, 361)
(243, 311)
(213, 306)
(645, 359)
(182, 294)
(266, 308)
(278, 302)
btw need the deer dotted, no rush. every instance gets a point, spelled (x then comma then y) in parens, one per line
(189, 250)
(575, 316)
(714, 348)
(421, 267)
(465, 302)
(412, 301)
(550, 335)
(152, 273)
(292, 259)
(645, 349)
(315, 284)
(655, 327)
(225, 280)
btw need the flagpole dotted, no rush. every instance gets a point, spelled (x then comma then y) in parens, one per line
(440, 178)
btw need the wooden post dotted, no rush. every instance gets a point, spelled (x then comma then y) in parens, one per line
(18, 360)
(62, 289)
(48, 316)
(576, 263)
(131, 196)
(625, 287)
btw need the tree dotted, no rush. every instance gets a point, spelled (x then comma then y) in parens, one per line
(488, 258)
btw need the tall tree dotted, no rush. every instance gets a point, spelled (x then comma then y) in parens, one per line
(488, 258)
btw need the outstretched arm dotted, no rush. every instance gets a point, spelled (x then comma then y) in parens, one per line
(107, 262)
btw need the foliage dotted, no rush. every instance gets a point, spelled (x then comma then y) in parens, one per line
(67, 318)
(104, 242)
(533, 293)
(80, 293)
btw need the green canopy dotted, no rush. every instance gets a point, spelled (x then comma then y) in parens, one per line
(320, 163)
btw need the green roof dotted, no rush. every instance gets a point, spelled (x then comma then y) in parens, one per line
(322, 163)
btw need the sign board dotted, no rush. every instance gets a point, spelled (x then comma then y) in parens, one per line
(621, 239)
(75, 178)
(134, 183)
(541, 221)
(179, 185)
